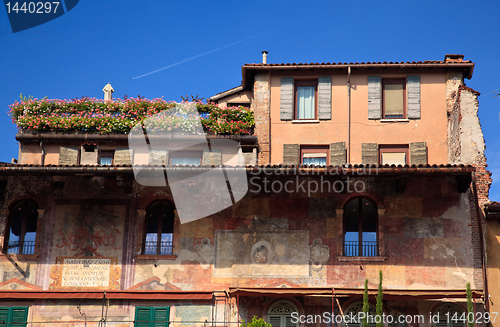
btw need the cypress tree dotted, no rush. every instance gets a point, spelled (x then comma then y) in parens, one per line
(470, 308)
(380, 297)
(366, 307)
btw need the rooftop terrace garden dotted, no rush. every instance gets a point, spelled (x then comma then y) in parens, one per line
(91, 115)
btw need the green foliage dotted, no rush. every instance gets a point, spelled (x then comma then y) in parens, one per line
(23, 98)
(193, 98)
(366, 306)
(470, 308)
(380, 298)
(256, 322)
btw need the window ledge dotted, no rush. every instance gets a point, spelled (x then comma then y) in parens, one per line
(358, 259)
(395, 120)
(155, 257)
(305, 121)
(21, 257)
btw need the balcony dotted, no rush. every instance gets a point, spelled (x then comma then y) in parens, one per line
(352, 249)
(15, 247)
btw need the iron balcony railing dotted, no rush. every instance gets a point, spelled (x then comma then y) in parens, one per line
(152, 248)
(369, 249)
(14, 247)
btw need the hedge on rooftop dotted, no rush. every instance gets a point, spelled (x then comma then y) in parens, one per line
(92, 115)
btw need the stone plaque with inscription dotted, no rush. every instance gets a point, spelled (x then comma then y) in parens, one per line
(85, 272)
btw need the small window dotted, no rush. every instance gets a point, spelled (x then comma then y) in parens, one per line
(21, 235)
(394, 98)
(14, 316)
(306, 99)
(360, 229)
(160, 218)
(106, 157)
(152, 316)
(314, 155)
(394, 154)
(183, 158)
(280, 314)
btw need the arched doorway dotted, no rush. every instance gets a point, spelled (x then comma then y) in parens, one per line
(280, 314)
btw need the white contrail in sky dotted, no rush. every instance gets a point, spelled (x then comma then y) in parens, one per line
(197, 56)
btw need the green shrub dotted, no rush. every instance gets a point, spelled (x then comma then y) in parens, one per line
(256, 322)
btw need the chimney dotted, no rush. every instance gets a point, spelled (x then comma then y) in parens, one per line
(453, 58)
(264, 57)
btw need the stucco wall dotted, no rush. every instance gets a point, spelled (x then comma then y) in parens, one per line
(431, 128)
(424, 233)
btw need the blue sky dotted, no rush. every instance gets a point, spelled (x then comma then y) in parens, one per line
(114, 41)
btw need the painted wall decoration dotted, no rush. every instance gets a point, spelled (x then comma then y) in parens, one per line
(206, 253)
(82, 241)
(262, 253)
(85, 272)
(320, 254)
(90, 229)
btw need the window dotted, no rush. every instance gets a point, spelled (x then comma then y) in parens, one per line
(314, 155)
(394, 98)
(190, 158)
(306, 99)
(14, 316)
(152, 316)
(106, 157)
(394, 154)
(447, 312)
(21, 229)
(353, 311)
(360, 228)
(160, 218)
(280, 314)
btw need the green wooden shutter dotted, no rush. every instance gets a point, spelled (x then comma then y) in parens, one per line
(291, 154)
(4, 317)
(338, 154)
(19, 316)
(418, 153)
(275, 320)
(325, 97)
(413, 97)
(286, 100)
(142, 317)
(369, 153)
(161, 316)
(288, 321)
(374, 97)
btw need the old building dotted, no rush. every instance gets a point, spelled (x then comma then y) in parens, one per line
(352, 169)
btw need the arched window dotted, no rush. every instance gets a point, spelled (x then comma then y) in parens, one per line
(21, 228)
(351, 315)
(450, 315)
(280, 314)
(159, 229)
(360, 228)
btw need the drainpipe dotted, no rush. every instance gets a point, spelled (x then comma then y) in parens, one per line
(348, 145)
(42, 160)
(481, 239)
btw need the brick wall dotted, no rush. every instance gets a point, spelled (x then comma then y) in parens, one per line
(261, 108)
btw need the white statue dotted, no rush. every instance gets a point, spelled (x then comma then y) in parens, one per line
(108, 90)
